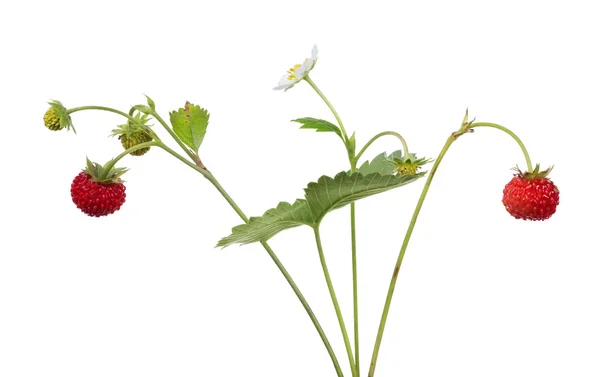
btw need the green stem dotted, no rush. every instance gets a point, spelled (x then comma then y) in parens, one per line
(102, 108)
(413, 221)
(208, 175)
(335, 114)
(512, 134)
(392, 133)
(336, 305)
(173, 135)
(110, 164)
(355, 286)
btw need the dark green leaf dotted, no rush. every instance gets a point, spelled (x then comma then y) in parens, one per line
(284, 216)
(189, 124)
(318, 125)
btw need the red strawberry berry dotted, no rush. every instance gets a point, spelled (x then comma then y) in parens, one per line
(531, 195)
(98, 192)
(96, 199)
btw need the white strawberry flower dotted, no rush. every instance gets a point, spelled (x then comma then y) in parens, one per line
(297, 73)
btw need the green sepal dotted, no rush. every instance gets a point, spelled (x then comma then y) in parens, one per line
(189, 124)
(63, 115)
(318, 125)
(101, 175)
(138, 125)
(535, 174)
(409, 164)
(150, 103)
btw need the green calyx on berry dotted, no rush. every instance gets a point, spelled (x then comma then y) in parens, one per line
(134, 133)
(100, 174)
(535, 174)
(409, 164)
(57, 117)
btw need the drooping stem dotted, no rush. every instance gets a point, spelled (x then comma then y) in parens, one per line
(102, 108)
(334, 300)
(355, 287)
(335, 114)
(391, 133)
(413, 221)
(110, 164)
(512, 134)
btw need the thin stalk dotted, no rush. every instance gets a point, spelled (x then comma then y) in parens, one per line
(231, 202)
(335, 114)
(352, 159)
(109, 165)
(391, 133)
(355, 287)
(285, 273)
(102, 108)
(512, 134)
(411, 226)
(334, 300)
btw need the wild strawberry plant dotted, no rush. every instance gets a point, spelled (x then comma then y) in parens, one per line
(99, 191)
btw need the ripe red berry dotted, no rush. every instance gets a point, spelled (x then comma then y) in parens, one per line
(531, 196)
(94, 198)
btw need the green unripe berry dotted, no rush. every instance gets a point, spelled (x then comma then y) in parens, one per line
(52, 120)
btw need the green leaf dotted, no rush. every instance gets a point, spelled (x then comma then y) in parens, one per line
(322, 197)
(189, 124)
(318, 125)
(382, 164)
(351, 145)
(329, 193)
(284, 216)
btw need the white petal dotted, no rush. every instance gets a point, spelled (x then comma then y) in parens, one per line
(315, 52)
(284, 83)
(299, 73)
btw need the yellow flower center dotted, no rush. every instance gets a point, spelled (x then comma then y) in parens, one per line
(292, 71)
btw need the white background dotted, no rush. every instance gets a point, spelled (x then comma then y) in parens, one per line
(145, 293)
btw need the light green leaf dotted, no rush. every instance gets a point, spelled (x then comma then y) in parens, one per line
(150, 103)
(329, 193)
(382, 164)
(284, 216)
(189, 124)
(318, 125)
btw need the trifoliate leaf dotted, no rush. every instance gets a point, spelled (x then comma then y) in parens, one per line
(382, 164)
(328, 193)
(189, 124)
(284, 216)
(318, 125)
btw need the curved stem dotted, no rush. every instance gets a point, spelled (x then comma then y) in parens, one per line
(391, 133)
(335, 114)
(109, 165)
(512, 134)
(336, 305)
(102, 108)
(413, 221)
